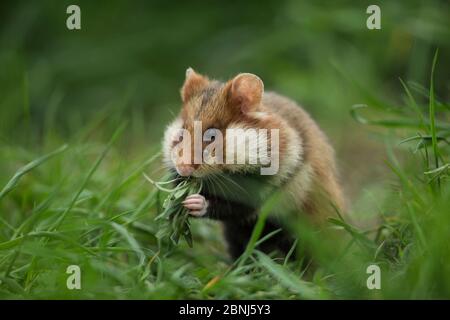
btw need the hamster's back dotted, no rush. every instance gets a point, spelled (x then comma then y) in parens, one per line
(314, 188)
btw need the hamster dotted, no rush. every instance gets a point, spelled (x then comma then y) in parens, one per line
(306, 171)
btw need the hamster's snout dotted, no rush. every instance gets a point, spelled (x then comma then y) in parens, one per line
(185, 170)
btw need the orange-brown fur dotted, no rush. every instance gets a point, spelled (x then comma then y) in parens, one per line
(307, 173)
(278, 113)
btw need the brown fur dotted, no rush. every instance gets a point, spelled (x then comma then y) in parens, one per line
(218, 105)
(317, 152)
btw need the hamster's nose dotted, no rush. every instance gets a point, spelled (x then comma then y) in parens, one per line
(185, 170)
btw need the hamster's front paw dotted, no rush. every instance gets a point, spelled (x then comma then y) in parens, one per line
(196, 204)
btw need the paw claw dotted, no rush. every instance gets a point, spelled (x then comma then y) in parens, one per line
(196, 204)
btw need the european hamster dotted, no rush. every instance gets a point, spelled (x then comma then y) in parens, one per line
(305, 172)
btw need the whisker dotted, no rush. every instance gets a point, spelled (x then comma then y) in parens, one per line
(223, 175)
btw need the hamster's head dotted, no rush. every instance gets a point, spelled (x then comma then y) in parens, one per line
(195, 143)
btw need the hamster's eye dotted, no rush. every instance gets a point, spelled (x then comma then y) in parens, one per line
(210, 134)
(179, 137)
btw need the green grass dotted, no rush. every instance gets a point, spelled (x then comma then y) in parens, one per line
(85, 204)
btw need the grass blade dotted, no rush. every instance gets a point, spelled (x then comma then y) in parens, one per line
(287, 278)
(27, 168)
(88, 177)
(257, 230)
(432, 118)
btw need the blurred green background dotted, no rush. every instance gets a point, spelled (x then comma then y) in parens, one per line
(127, 64)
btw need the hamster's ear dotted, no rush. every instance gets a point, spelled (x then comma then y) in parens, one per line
(246, 92)
(193, 83)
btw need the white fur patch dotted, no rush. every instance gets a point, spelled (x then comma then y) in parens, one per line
(170, 135)
(289, 161)
(293, 155)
